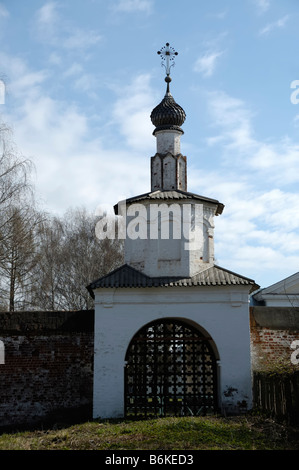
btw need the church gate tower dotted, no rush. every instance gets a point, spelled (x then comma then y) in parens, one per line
(171, 328)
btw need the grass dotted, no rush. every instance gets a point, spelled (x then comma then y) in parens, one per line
(189, 433)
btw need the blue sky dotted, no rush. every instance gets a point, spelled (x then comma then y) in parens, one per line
(83, 76)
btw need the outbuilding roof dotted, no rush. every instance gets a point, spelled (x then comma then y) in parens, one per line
(125, 277)
(172, 195)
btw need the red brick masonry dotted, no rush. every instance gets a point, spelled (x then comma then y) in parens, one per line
(273, 330)
(48, 370)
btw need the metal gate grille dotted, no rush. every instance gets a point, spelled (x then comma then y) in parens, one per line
(170, 371)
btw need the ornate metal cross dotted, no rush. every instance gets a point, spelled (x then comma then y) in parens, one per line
(167, 54)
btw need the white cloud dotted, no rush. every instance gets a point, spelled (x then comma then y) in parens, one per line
(73, 70)
(234, 122)
(131, 113)
(134, 5)
(73, 168)
(3, 11)
(218, 15)
(23, 83)
(206, 64)
(55, 59)
(47, 14)
(262, 5)
(86, 83)
(259, 232)
(80, 80)
(259, 226)
(57, 31)
(275, 25)
(80, 39)
(233, 119)
(46, 19)
(280, 156)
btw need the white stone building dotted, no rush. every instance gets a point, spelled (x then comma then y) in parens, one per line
(284, 293)
(172, 330)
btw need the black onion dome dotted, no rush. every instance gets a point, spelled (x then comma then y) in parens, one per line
(168, 114)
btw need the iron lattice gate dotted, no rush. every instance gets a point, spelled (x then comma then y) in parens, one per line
(170, 370)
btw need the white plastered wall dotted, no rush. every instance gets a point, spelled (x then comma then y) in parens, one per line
(120, 313)
(169, 257)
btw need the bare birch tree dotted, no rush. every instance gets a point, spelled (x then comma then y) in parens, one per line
(70, 258)
(20, 256)
(45, 262)
(14, 179)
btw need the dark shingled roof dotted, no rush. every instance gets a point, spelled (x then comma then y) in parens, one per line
(126, 276)
(172, 195)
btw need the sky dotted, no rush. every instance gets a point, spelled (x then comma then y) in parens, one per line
(82, 77)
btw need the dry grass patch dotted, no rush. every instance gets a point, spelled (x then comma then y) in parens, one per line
(192, 433)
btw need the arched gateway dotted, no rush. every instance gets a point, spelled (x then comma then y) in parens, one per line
(170, 369)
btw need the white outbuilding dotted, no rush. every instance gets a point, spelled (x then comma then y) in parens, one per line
(172, 333)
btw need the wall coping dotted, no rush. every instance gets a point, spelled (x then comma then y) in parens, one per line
(45, 322)
(277, 318)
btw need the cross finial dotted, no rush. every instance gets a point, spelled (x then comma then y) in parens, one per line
(167, 54)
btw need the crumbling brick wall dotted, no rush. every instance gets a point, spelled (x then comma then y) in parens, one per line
(273, 330)
(47, 374)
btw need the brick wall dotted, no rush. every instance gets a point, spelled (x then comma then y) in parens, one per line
(47, 374)
(273, 329)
